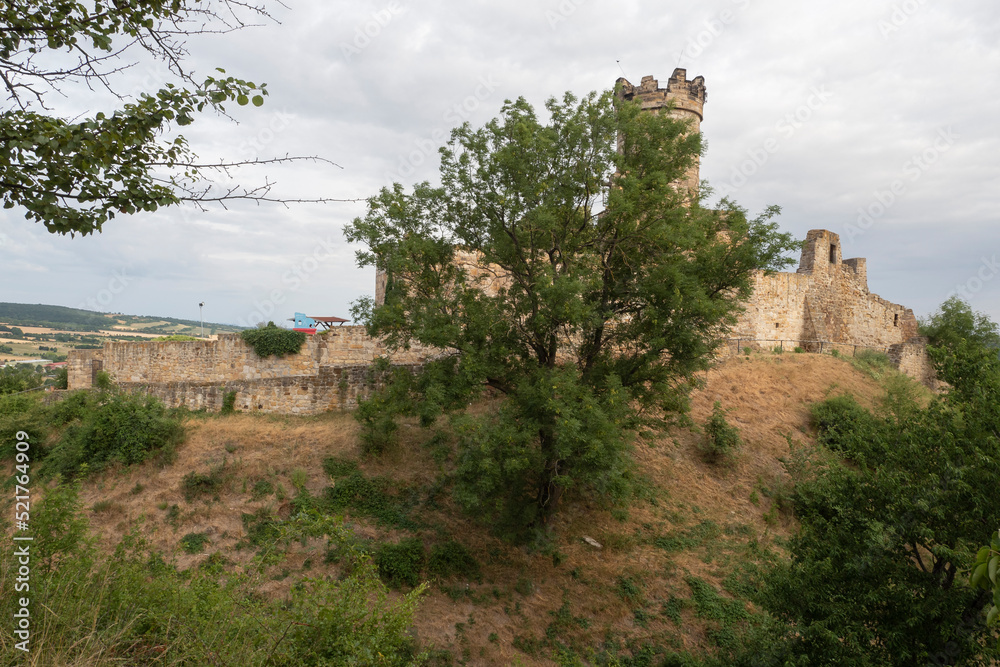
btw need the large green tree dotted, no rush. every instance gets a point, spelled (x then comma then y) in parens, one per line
(73, 175)
(558, 265)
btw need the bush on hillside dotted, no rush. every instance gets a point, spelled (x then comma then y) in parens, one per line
(721, 439)
(121, 428)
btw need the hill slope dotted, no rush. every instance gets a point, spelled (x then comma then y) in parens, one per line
(656, 578)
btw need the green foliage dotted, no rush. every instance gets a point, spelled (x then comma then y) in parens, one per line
(261, 528)
(721, 441)
(337, 467)
(630, 589)
(872, 578)
(964, 348)
(73, 176)
(368, 497)
(23, 412)
(194, 543)
(955, 324)
(261, 488)
(727, 614)
(58, 528)
(841, 419)
(197, 484)
(135, 609)
(120, 428)
(352, 622)
(228, 403)
(273, 340)
(600, 248)
(400, 563)
(18, 378)
(452, 559)
(984, 574)
(61, 380)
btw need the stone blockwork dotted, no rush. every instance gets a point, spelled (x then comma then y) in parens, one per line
(911, 358)
(331, 371)
(825, 300)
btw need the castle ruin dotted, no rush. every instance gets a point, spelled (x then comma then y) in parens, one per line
(825, 302)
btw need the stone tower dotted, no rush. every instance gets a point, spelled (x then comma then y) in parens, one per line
(687, 98)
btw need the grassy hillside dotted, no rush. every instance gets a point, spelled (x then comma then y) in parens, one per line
(660, 581)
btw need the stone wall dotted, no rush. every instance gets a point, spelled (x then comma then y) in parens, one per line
(330, 372)
(911, 357)
(333, 388)
(826, 299)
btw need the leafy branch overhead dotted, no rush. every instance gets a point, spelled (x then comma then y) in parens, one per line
(75, 175)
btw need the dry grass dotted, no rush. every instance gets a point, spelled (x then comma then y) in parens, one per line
(767, 396)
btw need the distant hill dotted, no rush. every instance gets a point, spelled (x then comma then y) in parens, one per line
(58, 317)
(75, 319)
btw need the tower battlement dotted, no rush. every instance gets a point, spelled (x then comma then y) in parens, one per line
(684, 99)
(687, 97)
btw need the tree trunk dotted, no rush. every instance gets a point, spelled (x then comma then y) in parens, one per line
(549, 492)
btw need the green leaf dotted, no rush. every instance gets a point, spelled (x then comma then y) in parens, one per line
(993, 568)
(242, 100)
(991, 618)
(258, 100)
(977, 575)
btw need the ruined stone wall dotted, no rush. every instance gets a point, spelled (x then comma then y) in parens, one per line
(911, 358)
(82, 367)
(229, 358)
(330, 372)
(826, 299)
(333, 388)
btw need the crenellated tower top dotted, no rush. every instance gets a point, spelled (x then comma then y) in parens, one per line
(686, 100)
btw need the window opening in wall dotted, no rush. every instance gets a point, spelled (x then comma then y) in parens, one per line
(895, 320)
(833, 253)
(776, 325)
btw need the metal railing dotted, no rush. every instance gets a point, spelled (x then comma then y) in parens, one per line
(736, 345)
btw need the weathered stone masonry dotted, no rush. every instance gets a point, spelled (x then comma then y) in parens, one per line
(330, 372)
(826, 299)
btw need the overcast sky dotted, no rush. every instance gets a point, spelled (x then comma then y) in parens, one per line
(876, 120)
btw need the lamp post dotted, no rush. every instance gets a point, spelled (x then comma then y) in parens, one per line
(202, 318)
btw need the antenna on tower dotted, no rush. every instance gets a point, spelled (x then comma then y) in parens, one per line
(620, 67)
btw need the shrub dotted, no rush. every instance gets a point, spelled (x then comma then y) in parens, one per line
(273, 340)
(22, 412)
(400, 563)
(351, 621)
(194, 543)
(798, 350)
(337, 467)
(721, 440)
(123, 428)
(452, 558)
(838, 418)
(196, 484)
(261, 489)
